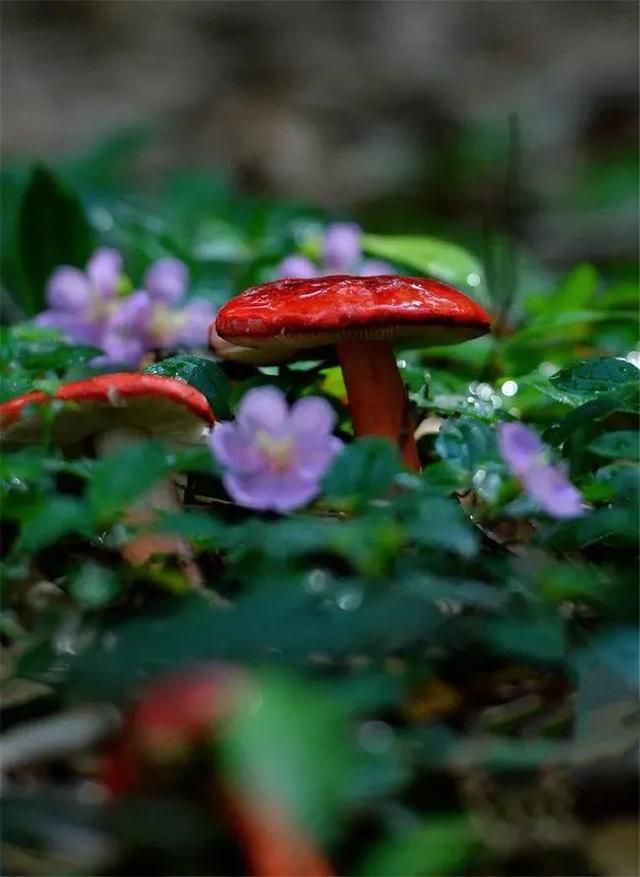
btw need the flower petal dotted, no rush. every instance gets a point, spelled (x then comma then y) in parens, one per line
(68, 289)
(520, 446)
(311, 416)
(167, 280)
(72, 326)
(312, 460)
(103, 270)
(270, 490)
(196, 319)
(263, 408)
(374, 268)
(133, 314)
(231, 449)
(297, 266)
(551, 488)
(342, 246)
(121, 350)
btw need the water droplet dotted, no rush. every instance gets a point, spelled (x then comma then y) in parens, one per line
(478, 477)
(350, 599)
(633, 357)
(509, 388)
(484, 391)
(473, 279)
(317, 581)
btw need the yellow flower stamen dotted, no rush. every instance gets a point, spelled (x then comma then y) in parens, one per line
(277, 450)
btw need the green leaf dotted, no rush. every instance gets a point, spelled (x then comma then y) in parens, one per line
(52, 230)
(56, 517)
(583, 417)
(430, 256)
(364, 469)
(444, 845)
(622, 444)
(617, 525)
(287, 748)
(468, 444)
(203, 374)
(620, 480)
(94, 586)
(41, 350)
(594, 377)
(441, 523)
(124, 476)
(575, 293)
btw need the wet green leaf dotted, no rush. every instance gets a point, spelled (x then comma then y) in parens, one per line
(203, 374)
(468, 444)
(594, 377)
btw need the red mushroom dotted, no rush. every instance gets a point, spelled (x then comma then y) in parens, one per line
(112, 411)
(363, 317)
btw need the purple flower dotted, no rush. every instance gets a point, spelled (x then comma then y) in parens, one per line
(85, 307)
(341, 253)
(195, 319)
(81, 303)
(167, 280)
(275, 456)
(548, 485)
(125, 339)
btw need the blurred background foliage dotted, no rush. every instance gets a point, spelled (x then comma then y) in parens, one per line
(431, 676)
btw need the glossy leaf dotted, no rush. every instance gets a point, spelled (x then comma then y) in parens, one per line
(53, 230)
(203, 374)
(593, 377)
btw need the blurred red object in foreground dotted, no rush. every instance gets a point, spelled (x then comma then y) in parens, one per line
(176, 715)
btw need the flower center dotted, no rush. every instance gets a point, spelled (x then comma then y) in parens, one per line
(100, 309)
(164, 324)
(276, 450)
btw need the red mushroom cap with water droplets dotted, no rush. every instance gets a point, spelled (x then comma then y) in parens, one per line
(325, 310)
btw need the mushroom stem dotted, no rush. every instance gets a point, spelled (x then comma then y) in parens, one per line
(163, 497)
(377, 396)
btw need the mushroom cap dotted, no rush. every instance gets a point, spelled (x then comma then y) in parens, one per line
(151, 404)
(415, 311)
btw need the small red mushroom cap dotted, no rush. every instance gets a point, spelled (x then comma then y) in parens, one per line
(155, 404)
(326, 310)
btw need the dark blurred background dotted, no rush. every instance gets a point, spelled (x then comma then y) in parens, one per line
(395, 110)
